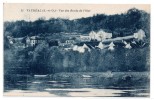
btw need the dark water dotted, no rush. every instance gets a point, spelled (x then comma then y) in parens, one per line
(81, 85)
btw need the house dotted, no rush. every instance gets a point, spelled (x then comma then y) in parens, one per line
(33, 41)
(102, 35)
(111, 46)
(11, 40)
(36, 40)
(101, 46)
(67, 49)
(69, 42)
(128, 46)
(85, 38)
(27, 41)
(86, 47)
(140, 35)
(92, 35)
(81, 49)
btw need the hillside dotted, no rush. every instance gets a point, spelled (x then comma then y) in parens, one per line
(119, 24)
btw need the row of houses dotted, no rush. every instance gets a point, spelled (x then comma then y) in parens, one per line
(128, 44)
(92, 38)
(110, 46)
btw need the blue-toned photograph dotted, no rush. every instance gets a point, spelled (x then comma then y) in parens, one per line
(76, 50)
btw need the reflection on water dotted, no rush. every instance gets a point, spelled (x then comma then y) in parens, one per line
(78, 86)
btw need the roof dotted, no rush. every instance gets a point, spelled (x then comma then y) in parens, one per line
(64, 40)
(89, 44)
(36, 38)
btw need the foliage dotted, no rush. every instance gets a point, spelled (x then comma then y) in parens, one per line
(48, 60)
(118, 24)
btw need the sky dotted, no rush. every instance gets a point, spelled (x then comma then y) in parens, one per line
(31, 12)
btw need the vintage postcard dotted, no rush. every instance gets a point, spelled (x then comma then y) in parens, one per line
(76, 50)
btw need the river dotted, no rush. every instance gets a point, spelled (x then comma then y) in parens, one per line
(80, 84)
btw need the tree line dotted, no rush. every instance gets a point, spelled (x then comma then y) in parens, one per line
(49, 60)
(118, 24)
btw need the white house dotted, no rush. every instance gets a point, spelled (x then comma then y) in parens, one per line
(67, 49)
(140, 35)
(92, 35)
(111, 46)
(75, 48)
(81, 49)
(128, 46)
(100, 45)
(34, 40)
(85, 38)
(69, 42)
(102, 35)
(86, 47)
